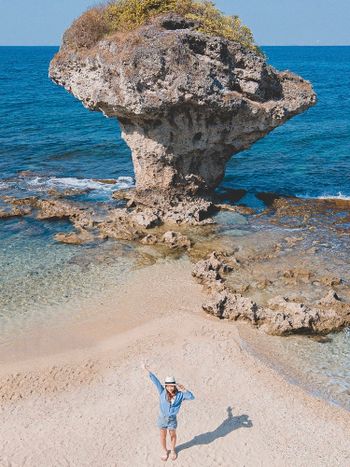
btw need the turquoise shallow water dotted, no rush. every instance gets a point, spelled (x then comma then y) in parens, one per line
(47, 133)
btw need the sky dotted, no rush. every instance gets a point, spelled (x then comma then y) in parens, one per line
(273, 22)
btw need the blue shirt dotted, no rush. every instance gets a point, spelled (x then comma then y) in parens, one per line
(166, 408)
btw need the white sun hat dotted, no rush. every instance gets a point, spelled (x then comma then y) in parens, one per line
(170, 380)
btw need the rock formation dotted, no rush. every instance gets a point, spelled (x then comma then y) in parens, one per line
(186, 101)
(281, 316)
(14, 212)
(131, 224)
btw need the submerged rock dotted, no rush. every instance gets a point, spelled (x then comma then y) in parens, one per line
(171, 239)
(56, 209)
(74, 238)
(31, 201)
(55, 193)
(186, 101)
(16, 211)
(245, 210)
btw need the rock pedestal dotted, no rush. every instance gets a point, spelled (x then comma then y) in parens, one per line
(186, 101)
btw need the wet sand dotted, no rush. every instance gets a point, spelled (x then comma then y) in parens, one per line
(91, 404)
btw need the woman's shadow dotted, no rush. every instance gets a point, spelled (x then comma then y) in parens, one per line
(230, 424)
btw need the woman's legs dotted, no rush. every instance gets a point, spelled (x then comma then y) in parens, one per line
(173, 443)
(163, 442)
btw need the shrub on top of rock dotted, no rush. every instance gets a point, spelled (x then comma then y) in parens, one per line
(186, 101)
(127, 15)
(87, 30)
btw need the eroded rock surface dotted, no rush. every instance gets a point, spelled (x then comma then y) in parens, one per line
(16, 211)
(186, 101)
(169, 206)
(137, 223)
(281, 315)
(74, 238)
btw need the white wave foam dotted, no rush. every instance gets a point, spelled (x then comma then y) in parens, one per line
(4, 185)
(42, 183)
(338, 196)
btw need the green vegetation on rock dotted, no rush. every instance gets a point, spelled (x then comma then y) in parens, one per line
(126, 15)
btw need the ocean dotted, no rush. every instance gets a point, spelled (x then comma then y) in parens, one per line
(47, 131)
(48, 140)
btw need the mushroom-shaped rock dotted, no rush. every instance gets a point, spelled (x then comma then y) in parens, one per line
(186, 101)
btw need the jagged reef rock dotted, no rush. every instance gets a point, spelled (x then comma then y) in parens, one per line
(281, 316)
(73, 238)
(131, 224)
(186, 101)
(14, 212)
(169, 206)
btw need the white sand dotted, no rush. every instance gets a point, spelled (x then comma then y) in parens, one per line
(95, 407)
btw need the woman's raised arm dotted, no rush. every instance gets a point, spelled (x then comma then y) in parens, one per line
(156, 382)
(154, 379)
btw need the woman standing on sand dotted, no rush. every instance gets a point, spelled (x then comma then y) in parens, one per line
(171, 397)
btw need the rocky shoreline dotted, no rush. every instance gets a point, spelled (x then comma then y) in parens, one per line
(132, 222)
(281, 316)
(186, 102)
(266, 287)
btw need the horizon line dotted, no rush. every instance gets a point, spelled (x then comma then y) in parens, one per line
(263, 45)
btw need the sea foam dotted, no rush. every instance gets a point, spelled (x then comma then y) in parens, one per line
(61, 183)
(326, 196)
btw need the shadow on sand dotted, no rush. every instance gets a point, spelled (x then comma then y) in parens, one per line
(230, 424)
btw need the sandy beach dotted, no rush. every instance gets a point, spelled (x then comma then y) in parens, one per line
(173, 201)
(93, 405)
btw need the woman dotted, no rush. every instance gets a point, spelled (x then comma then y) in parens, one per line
(171, 397)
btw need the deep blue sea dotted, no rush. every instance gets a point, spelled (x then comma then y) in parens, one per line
(45, 130)
(49, 140)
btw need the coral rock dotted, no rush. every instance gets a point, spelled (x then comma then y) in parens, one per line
(176, 240)
(73, 238)
(186, 101)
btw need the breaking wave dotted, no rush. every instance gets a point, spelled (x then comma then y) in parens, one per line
(337, 196)
(62, 183)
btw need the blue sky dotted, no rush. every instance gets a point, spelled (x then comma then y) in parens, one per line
(274, 22)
